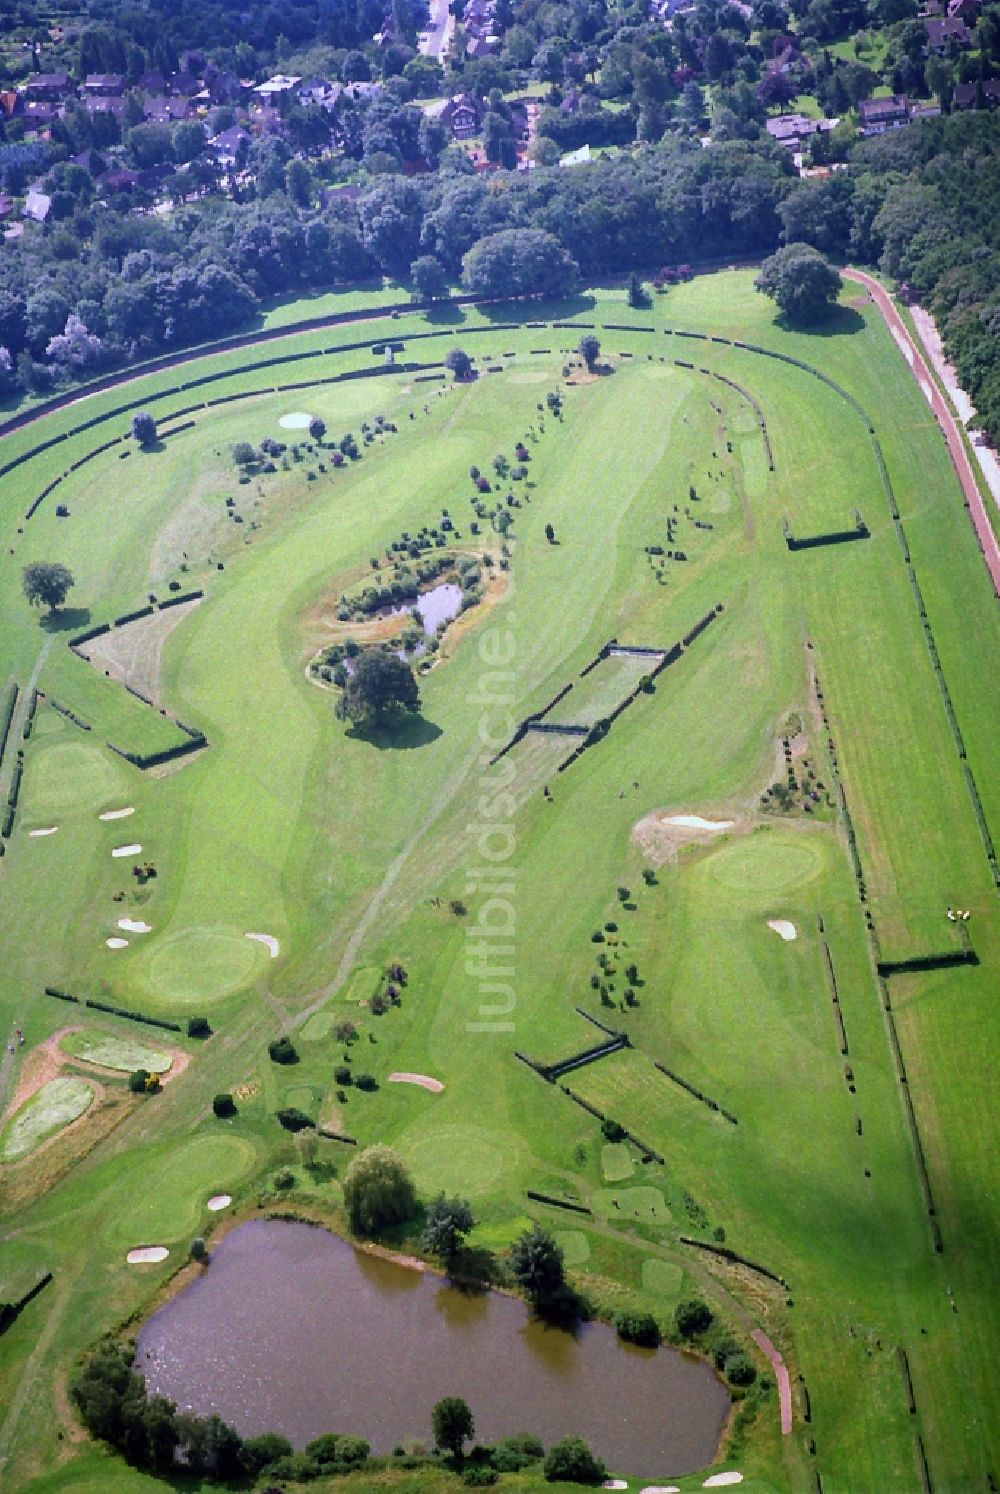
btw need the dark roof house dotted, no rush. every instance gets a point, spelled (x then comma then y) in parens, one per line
(945, 29)
(103, 85)
(878, 115)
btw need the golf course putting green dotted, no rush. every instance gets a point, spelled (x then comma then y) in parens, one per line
(766, 864)
(200, 965)
(49, 1109)
(167, 1201)
(68, 776)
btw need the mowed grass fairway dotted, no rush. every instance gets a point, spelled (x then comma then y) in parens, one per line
(352, 852)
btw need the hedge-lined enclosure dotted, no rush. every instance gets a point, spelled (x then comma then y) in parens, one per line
(770, 1134)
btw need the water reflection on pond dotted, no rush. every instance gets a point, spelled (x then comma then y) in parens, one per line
(292, 1330)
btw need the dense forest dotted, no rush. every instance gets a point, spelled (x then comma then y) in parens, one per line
(690, 172)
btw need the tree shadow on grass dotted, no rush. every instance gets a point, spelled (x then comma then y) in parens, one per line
(537, 311)
(840, 321)
(66, 620)
(445, 314)
(403, 734)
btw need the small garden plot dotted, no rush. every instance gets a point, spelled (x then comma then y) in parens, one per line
(616, 1162)
(111, 1052)
(574, 1245)
(600, 692)
(662, 1278)
(49, 1110)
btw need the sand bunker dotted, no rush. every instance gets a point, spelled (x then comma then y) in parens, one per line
(135, 926)
(117, 814)
(660, 1489)
(298, 420)
(695, 822)
(434, 1085)
(662, 836)
(268, 939)
(783, 927)
(219, 1201)
(126, 850)
(614, 1483)
(116, 943)
(722, 1480)
(147, 1255)
(50, 830)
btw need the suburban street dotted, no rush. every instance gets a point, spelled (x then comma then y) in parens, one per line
(435, 41)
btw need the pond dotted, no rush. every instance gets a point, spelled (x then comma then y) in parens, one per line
(290, 1329)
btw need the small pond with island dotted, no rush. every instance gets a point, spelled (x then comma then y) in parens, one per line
(291, 1329)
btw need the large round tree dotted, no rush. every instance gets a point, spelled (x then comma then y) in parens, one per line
(378, 1190)
(800, 282)
(381, 687)
(46, 584)
(519, 262)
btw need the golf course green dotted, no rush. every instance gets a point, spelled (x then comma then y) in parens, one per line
(811, 1120)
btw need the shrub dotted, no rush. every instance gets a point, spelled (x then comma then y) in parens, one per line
(342, 1074)
(572, 1461)
(243, 454)
(612, 1130)
(481, 1476)
(283, 1180)
(199, 1250)
(511, 1454)
(224, 1106)
(260, 1452)
(137, 1081)
(365, 1081)
(199, 1027)
(739, 1369)
(294, 1119)
(334, 1453)
(638, 1328)
(281, 1050)
(692, 1317)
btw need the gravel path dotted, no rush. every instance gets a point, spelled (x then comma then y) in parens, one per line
(956, 446)
(762, 1341)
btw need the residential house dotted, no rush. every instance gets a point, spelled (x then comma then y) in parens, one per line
(227, 146)
(103, 86)
(101, 105)
(50, 88)
(40, 114)
(36, 205)
(272, 88)
(462, 114)
(791, 129)
(319, 92)
(183, 84)
(119, 179)
(878, 115)
(167, 110)
(945, 30)
(964, 10)
(966, 95)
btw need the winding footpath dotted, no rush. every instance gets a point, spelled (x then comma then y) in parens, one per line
(949, 426)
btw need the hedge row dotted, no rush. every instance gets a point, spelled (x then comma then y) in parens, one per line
(596, 1021)
(15, 783)
(647, 1151)
(554, 1071)
(8, 821)
(596, 734)
(904, 1370)
(698, 1094)
(336, 1136)
(90, 634)
(831, 976)
(70, 715)
(602, 653)
(123, 1011)
(166, 755)
(128, 617)
(175, 430)
(7, 716)
(556, 1203)
(187, 596)
(29, 719)
(528, 721)
(833, 537)
(60, 995)
(945, 961)
(737, 1259)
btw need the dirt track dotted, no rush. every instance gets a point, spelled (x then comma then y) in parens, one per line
(956, 447)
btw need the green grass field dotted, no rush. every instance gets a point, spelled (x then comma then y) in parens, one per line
(353, 852)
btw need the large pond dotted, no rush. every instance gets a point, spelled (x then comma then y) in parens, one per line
(292, 1330)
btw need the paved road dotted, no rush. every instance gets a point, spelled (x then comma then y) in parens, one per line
(956, 446)
(433, 42)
